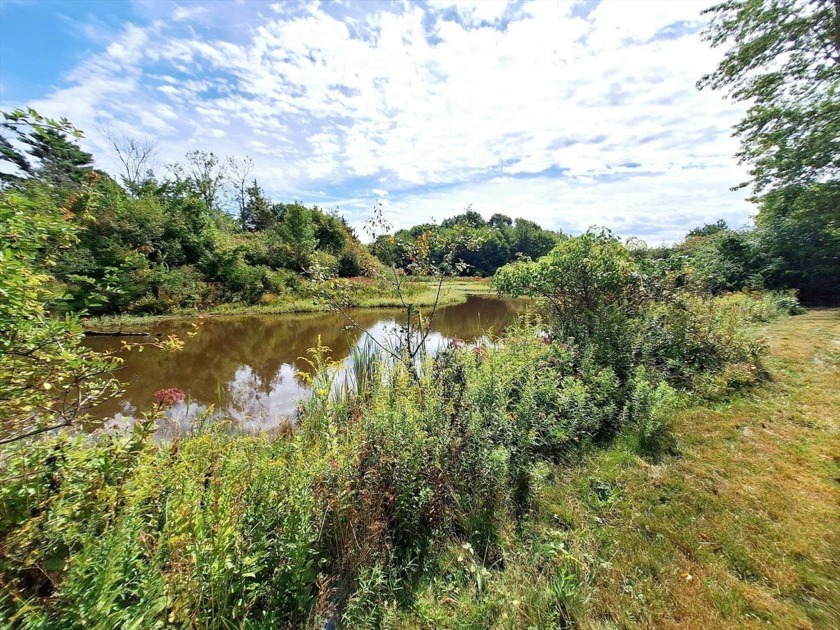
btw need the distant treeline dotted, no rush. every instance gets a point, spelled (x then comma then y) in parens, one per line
(483, 246)
(794, 244)
(160, 241)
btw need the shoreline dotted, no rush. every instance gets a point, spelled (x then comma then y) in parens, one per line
(454, 292)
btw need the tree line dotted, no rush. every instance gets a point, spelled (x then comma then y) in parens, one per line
(201, 233)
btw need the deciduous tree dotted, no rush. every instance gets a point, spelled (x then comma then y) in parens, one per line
(783, 59)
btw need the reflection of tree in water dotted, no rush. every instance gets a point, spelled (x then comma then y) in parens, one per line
(253, 405)
(476, 316)
(246, 365)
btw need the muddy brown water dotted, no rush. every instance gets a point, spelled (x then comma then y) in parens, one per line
(247, 366)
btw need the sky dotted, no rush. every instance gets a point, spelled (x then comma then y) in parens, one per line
(571, 114)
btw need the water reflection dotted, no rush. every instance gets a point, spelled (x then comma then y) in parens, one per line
(247, 366)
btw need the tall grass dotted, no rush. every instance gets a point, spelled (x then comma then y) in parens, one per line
(397, 488)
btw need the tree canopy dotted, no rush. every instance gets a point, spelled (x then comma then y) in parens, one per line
(782, 58)
(483, 246)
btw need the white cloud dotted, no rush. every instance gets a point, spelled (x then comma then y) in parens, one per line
(183, 13)
(474, 12)
(534, 110)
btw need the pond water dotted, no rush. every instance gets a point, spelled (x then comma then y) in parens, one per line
(247, 366)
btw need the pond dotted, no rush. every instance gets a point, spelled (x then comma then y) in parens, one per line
(246, 366)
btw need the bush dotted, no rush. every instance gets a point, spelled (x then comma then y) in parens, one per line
(172, 289)
(282, 281)
(650, 410)
(325, 263)
(355, 262)
(590, 288)
(691, 336)
(761, 306)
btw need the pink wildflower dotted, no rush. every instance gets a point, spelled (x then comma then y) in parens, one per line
(167, 397)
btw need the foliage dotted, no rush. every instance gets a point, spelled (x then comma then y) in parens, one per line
(47, 378)
(677, 341)
(798, 229)
(591, 288)
(482, 246)
(408, 476)
(415, 479)
(257, 212)
(717, 258)
(51, 143)
(794, 246)
(297, 230)
(650, 412)
(203, 172)
(163, 246)
(784, 61)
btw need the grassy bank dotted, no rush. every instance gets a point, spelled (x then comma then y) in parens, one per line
(738, 527)
(421, 292)
(741, 528)
(502, 486)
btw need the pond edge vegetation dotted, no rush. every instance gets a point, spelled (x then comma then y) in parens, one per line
(474, 488)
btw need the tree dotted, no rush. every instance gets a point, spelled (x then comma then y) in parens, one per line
(469, 218)
(784, 61)
(718, 258)
(500, 221)
(136, 157)
(238, 172)
(483, 250)
(709, 229)
(297, 229)
(591, 288)
(798, 230)
(205, 174)
(257, 214)
(331, 231)
(49, 149)
(47, 378)
(531, 240)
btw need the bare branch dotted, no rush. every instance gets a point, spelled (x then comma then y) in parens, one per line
(137, 156)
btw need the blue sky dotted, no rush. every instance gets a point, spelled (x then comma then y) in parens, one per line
(572, 114)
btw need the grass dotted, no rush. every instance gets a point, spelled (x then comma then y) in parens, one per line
(421, 292)
(737, 527)
(741, 527)
(480, 496)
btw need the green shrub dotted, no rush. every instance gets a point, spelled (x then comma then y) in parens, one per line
(764, 306)
(355, 262)
(650, 410)
(590, 288)
(282, 281)
(691, 336)
(173, 289)
(326, 263)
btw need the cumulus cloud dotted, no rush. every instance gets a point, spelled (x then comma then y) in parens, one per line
(569, 114)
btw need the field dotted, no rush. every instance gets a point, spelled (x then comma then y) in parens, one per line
(742, 526)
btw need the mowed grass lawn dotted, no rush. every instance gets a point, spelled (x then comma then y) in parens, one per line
(740, 527)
